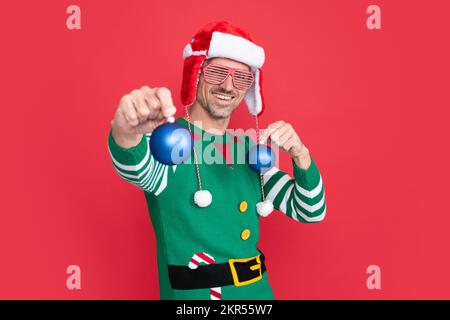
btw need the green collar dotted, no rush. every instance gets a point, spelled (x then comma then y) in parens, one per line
(207, 136)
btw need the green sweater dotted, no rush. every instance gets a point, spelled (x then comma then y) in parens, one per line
(183, 229)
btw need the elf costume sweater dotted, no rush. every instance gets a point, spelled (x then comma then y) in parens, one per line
(229, 227)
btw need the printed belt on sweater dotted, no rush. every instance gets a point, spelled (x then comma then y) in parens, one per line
(238, 272)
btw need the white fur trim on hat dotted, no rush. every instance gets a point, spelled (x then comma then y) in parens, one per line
(202, 198)
(225, 45)
(264, 208)
(187, 52)
(253, 96)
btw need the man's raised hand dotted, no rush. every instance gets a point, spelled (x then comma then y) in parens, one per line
(140, 112)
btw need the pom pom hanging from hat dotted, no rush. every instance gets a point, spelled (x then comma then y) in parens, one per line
(267, 160)
(202, 198)
(264, 208)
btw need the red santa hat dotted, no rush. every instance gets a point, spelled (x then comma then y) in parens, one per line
(225, 40)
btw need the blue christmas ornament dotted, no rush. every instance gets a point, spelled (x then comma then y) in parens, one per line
(171, 143)
(260, 158)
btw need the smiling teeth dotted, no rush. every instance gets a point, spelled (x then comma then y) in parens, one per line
(223, 97)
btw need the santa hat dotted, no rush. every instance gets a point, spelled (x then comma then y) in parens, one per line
(224, 40)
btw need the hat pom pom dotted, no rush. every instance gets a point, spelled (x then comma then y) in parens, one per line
(202, 198)
(264, 208)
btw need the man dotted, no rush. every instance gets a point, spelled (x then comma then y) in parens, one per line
(206, 215)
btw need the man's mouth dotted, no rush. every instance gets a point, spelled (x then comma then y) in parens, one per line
(223, 97)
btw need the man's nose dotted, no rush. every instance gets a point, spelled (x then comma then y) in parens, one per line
(228, 83)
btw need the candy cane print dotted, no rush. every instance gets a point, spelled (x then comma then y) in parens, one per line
(199, 257)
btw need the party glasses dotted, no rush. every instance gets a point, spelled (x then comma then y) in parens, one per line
(217, 74)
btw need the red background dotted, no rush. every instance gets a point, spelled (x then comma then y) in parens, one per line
(371, 105)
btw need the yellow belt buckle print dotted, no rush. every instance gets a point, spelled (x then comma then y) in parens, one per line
(256, 266)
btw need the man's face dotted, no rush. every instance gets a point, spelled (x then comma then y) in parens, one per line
(220, 100)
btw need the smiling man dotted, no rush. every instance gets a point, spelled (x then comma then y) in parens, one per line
(220, 101)
(206, 215)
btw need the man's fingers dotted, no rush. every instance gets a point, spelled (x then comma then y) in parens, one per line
(283, 134)
(140, 105)
(149, 125)
(146, 90)
(129, 111)
(142, 110)
(289, 143)
(270, 129)
(165, 98)
(159, 101)
(276, 138)
(153, 103)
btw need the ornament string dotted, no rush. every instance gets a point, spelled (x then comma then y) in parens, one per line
(195, 153)
(260, 174)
